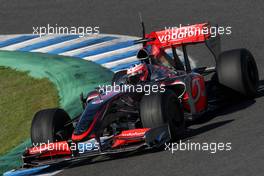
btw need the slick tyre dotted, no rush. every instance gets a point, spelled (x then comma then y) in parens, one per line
(237, 69)
(158, 109)
(49, 126)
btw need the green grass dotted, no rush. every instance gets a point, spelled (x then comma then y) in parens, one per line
(20, 97)
(70, 76)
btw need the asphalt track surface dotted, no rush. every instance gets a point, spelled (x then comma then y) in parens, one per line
(241, 124)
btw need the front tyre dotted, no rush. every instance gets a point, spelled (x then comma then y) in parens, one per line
(49, 125)
(158, 109)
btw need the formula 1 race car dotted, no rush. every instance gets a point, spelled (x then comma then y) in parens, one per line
(153, 101)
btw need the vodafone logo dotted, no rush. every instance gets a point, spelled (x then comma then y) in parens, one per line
(186, 33)
(168, 38)
(132, 134)
(175, 35)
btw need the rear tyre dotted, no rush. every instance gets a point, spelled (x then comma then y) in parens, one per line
(158, 109)
(237, 70)
(49, 126)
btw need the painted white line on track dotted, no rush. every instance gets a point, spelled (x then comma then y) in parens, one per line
(7, 37)
(49, 48)
(112, 53)
(23, 44)
(93, 47)
(119, 62)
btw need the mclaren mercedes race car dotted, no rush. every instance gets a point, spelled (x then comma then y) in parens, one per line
(171, 93)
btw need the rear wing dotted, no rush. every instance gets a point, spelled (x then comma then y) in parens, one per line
(181, 37)
(178, 36)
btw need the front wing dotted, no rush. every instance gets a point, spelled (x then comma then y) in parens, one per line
(37, 164)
